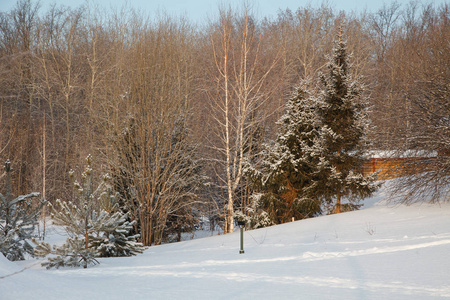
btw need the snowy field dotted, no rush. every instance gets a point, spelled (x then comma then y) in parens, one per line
(380, 252)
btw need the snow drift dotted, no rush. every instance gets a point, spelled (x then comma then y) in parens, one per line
(382, 252)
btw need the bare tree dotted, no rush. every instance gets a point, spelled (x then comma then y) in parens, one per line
(426, 74)
(237, 97)
(18, 96)
(154, 164)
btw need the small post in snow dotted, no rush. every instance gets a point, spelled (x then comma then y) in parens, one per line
(241, 226)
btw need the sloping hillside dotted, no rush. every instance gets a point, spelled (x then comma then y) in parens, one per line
(381, 252)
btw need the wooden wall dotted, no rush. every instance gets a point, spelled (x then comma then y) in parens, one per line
(389, 168)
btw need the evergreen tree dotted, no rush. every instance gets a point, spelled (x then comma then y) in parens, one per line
(249, 203)
(254, 214)
(342, 110)
(316, 159)
(96, 228)
(286, 179)
(113, 236)
(18, 218)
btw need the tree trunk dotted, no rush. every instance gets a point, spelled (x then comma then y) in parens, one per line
(230, 212)
(338, 203)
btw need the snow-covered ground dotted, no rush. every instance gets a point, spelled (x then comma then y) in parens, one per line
(380, 252)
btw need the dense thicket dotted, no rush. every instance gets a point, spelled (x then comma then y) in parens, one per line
(123, 86)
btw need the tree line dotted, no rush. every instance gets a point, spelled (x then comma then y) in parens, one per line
(176, 112)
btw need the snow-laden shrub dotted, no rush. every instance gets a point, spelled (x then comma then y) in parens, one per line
(96, 228)
(253, 214)
(18, 218)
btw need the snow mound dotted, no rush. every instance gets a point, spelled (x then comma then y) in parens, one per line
(383, 252)
(7, 267)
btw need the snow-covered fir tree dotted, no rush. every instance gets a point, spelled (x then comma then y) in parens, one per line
(254, 214)
(286, 178)
(342, 110)
(249, 204)
(96, 227)
(316, 159)
(18, 218)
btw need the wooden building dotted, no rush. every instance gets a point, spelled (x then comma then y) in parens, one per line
(391, 165)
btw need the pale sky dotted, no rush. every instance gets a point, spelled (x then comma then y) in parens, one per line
(199, 10)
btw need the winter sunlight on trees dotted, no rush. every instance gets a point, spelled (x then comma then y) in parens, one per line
(199, 126)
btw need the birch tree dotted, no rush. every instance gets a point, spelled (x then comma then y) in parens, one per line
(237, 97)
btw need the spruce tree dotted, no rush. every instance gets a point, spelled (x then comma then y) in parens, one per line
(316, 159)
(342, 111)
(286, 179)
(18, 218)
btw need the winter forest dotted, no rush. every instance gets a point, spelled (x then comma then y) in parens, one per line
(130, 131)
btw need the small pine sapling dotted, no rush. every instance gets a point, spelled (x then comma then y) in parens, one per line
(112, 236)
(72, 253)
(96, 228)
